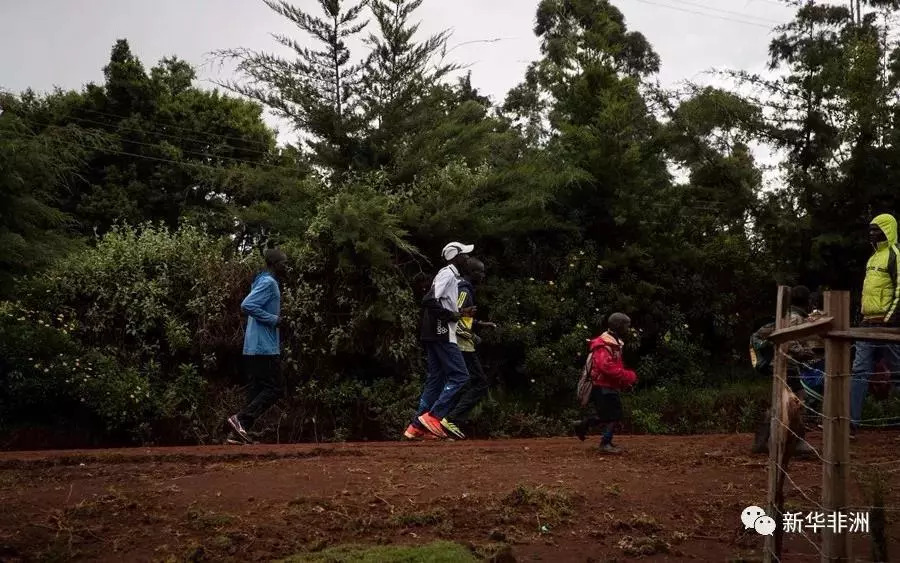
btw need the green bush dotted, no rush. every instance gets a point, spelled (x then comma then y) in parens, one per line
(683, 409)
(49, 373)
(882, 413)
(148, 294)
(140, 338)
(124, 335)
(324, 409)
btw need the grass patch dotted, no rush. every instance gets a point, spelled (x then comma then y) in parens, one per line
(59, 551)
(640, 523)
(11, 479)
(494, 552)
(419, 519)
(113, 502)
(437, 552)
(209, 520)
(639, 546)
(551, 507)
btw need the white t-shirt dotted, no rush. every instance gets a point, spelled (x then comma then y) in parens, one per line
(446, 291)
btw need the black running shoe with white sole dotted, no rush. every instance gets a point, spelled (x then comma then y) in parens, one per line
(236, 425)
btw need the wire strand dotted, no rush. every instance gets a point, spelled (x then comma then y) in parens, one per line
(119, 126)
(714, 16)
(802, 439)
(125, 117)
(727, 12)
(797, 487)
(187, 152)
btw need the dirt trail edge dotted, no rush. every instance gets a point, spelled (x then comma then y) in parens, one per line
(666, 499)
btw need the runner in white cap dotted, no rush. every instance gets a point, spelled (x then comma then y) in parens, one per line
(454, 249)
(447, 371)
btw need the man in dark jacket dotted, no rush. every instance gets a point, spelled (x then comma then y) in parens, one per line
(447, 371)
(467, 341)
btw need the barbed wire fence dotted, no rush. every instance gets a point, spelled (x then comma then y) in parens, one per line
(813, 517)
(827, 524)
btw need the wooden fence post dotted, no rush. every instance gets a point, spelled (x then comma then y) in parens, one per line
(776, 430)
(836, 426)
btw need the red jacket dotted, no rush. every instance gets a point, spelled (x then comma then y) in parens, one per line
(607, 369)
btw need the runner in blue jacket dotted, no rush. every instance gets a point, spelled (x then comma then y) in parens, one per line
(262, 347)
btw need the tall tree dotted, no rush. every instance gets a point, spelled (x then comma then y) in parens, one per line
(169, 143)
(590, 76)
(710, 250)
(318, 90)
(832, 112)
(399, 73)
(37, 166)
(589, 103)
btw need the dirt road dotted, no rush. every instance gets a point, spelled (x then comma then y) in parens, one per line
(666, 499)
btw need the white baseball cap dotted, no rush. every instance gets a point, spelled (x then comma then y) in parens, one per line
(454, 249)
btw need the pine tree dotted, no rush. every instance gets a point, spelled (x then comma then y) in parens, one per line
(317, 90)
(831, 111)
(399, 74)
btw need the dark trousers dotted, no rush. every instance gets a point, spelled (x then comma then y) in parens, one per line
(864, 364)
(264, 374)
(473, 391)
(447, 374)
(764, 428)
(764, 431)
(607, 405)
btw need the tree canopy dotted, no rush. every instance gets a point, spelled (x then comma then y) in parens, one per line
(588, 189)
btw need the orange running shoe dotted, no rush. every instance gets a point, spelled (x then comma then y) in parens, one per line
(414, 433)
(433, 425)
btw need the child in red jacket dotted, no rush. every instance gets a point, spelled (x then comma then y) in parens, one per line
(609, 377)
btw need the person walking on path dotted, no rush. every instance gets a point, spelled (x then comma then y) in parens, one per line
(880, 304)
(609, 376)
(447, 371)
(262, 347)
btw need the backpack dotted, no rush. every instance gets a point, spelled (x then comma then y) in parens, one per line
(585, 383)
(762, 352)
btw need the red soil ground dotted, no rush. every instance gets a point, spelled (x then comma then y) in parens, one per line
(668, 498)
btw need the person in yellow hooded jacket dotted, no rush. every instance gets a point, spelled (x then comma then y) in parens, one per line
(880, 304)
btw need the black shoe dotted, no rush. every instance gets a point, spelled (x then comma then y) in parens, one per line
(238, 428)
(580, 431)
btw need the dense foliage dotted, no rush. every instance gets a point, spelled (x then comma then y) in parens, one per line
(134, 211)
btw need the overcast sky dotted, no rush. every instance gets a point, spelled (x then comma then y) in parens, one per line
(47, 43)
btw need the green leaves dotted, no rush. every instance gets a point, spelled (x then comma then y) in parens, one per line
(318, 89)
(33, 230)
(590, 191)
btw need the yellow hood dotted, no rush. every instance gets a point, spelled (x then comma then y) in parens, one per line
(888, 225)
